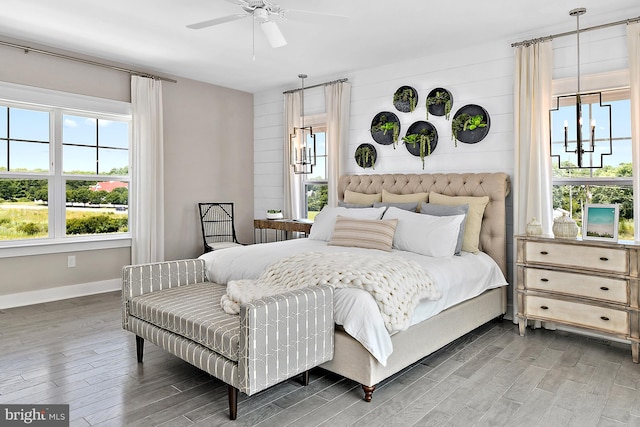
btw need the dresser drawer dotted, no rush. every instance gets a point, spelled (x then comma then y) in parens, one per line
(584, 315)
(588, 257)
(603, 288)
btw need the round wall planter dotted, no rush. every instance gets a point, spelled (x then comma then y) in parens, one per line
(420, 128)
(440, 108)
(384, 137)
(405, 99)
(362, 159)
(470, 136)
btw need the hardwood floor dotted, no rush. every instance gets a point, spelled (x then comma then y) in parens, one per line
(75, 352)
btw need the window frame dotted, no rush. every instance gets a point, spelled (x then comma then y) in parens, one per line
(59, 103)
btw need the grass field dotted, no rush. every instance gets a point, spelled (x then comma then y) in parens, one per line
(30, 220)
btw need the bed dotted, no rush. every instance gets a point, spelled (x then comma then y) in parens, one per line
(364, 351)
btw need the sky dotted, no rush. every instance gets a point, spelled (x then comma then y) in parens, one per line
(34, 126)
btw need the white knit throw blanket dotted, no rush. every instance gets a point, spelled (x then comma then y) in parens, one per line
(397, 284)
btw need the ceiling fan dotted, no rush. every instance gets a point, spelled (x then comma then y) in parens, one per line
(263, 11)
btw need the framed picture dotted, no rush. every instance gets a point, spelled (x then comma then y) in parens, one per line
(600, 222)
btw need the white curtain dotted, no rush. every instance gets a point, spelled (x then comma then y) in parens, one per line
(532, 195)
(337, 101)
(292, 182)
(633, 45)
(147, 213)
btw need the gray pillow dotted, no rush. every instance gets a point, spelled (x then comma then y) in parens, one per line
(445, 210)
(352, 205)
(409, 206)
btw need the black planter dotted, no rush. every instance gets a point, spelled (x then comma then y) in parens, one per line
(381, 137)
(404, 105)
(438, 109)
(478, 134)
(417, 128)
(371, 161)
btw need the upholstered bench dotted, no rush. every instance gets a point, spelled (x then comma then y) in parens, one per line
(172, 305)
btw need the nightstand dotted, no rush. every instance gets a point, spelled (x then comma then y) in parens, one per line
(583, 283)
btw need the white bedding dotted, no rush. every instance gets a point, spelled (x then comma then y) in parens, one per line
(458, 278)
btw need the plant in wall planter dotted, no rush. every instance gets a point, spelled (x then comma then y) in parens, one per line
(385, 130)
(366, 156)
(405, 99)
(439, 103)
(470, 124)
(421, 142)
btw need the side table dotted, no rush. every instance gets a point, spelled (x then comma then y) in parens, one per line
(282, 227)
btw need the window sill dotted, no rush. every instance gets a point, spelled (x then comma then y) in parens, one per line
(67, 245)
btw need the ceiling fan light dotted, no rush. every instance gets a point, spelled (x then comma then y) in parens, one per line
(273, 34)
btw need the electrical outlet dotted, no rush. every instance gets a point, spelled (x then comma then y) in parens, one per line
(71, 261)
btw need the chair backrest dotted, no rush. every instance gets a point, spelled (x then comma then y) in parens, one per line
(217, 223)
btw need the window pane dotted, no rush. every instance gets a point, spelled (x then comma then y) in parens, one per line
(28, 124)
(29, 156)
(113, 161)
(24, 213)
(113, 134)
(78, 160)
(79, 130)
(321, 146)
(96, 207)
(3, 155)
(4, 132)
(571, 199)
(316, 197)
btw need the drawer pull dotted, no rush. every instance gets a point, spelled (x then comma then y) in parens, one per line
(604, 258)
(544, 253)
(544, 280)
(604, 288)
(544, 307)
(605, 318)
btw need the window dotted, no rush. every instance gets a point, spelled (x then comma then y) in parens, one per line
(613, 183)
(63, 172)
(315, 186)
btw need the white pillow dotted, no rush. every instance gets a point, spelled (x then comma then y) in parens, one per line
(425, 234)
(325, 221)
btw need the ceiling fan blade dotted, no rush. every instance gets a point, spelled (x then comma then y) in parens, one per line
(273, 34)
(239, 2)
(217, 21)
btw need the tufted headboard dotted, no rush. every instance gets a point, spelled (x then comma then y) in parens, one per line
(493, 239)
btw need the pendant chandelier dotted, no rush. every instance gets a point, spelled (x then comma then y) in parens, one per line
(578, 131)
(302, 142)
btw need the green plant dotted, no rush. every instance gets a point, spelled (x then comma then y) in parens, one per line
(364, 156)
(385, 126)
(424, 138)
(274, 211)
(29, 228)
(466, 122)
(406, 95)
(440, 98)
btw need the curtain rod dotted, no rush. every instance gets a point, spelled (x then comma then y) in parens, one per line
(319, 84)
(28, 49)
(569, 33)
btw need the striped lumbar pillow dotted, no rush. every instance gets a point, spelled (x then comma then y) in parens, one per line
(364, 233)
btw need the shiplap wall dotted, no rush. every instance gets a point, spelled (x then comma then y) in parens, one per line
(480, 75)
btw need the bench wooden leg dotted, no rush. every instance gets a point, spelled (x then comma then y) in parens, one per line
(139, 348)
(305, 378)
(368, 392)
(233, 402)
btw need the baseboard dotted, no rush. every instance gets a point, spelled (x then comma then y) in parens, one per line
(55, 294)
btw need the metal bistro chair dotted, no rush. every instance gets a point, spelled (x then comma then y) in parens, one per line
(218, 229)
